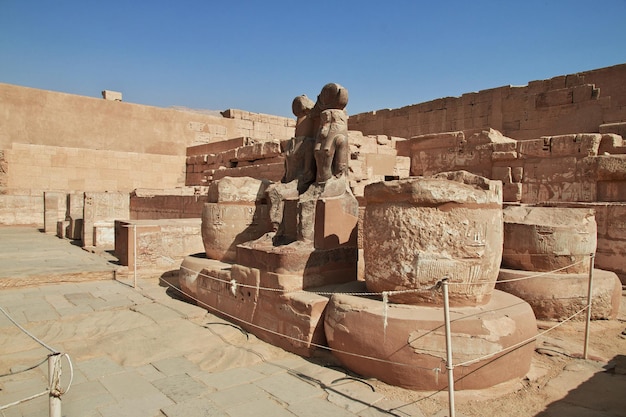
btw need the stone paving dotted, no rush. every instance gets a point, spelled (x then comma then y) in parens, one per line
(142, 352)
(145, 352)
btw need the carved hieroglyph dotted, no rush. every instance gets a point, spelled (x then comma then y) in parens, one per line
(420, 230)
(236, 213)
(548, 238)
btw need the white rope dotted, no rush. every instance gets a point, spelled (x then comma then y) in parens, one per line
(51, 349)
(23, 400)
(523, 342)
(541, 274)
(232, 283)
(434, 287)
(236, 319)
(385, 295)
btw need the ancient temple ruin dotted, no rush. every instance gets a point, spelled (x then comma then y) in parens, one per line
(335, 232)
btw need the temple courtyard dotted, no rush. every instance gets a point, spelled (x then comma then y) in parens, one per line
(144, 351)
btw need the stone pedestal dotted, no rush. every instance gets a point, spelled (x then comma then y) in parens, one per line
(408, 341)
(236, 212)
(420, 230)
(548, 238)
(284, 317)
(546, 253)
(558, 296)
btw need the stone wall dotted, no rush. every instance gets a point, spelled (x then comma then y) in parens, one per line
(55, 168)
(591, 101)
(577, 170)
(57, 142)
(586, 167)
(372, 158)
(42, 117)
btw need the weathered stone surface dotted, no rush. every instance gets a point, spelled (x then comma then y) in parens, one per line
(235, 292)
(420, 230)
(237, 189)
(225, 225)
(559, 296)
(406, 343)
(548, 238)
(316, 266)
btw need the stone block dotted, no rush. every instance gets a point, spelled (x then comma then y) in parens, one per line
(407, 343)
(402, 167)
(579, 145)
(512, 192)
(237, 189)
(610, 167)
(54, 210)
(418, 231)
(611, 191)
(548, 239)
(112, 95)
(219, 146)
(558, 296)
(434, 141)
(227, 224)
(534, 148)
(334, 225)
(104, 234)
(381, 164)
(501, 174)
(616, 128)
(503, 156)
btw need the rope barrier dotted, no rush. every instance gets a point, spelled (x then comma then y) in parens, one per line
(54, 390)
(234, 284)
(23, 400)
(29, 334)
(523, 342)
(385, 296)
(295, 339)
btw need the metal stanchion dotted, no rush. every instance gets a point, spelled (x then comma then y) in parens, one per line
(135, 256)
(589, 299)
(54, 382)
(449, 367)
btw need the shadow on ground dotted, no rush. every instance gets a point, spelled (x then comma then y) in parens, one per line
(603, 395)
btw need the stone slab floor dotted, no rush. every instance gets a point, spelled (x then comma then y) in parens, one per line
(144, 352)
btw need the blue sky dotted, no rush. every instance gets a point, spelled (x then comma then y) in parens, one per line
(259, 55)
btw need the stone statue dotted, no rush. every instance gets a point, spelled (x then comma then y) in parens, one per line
(316, 164)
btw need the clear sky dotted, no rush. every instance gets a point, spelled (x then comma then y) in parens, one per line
(258, 55)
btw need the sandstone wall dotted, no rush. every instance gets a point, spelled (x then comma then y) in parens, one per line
(578, 170)
(59, 142)
(42, 117)
(591, 101)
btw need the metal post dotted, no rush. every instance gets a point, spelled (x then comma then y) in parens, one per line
(449, 367)
(135, 256)
(589, 298)
(54, 382)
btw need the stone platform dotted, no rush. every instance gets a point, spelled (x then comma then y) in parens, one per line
(404, 345)
(268, 304)
(555, 296)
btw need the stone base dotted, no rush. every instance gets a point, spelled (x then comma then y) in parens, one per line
(314, 267)
(409, 340)
(286, 317)
(558, 296)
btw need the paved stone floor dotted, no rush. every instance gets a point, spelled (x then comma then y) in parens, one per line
(144, 352)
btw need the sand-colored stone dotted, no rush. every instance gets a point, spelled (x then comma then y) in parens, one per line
(559, 296)
(548, 238)
(404, 344)
(420, 230)
(236, 213)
